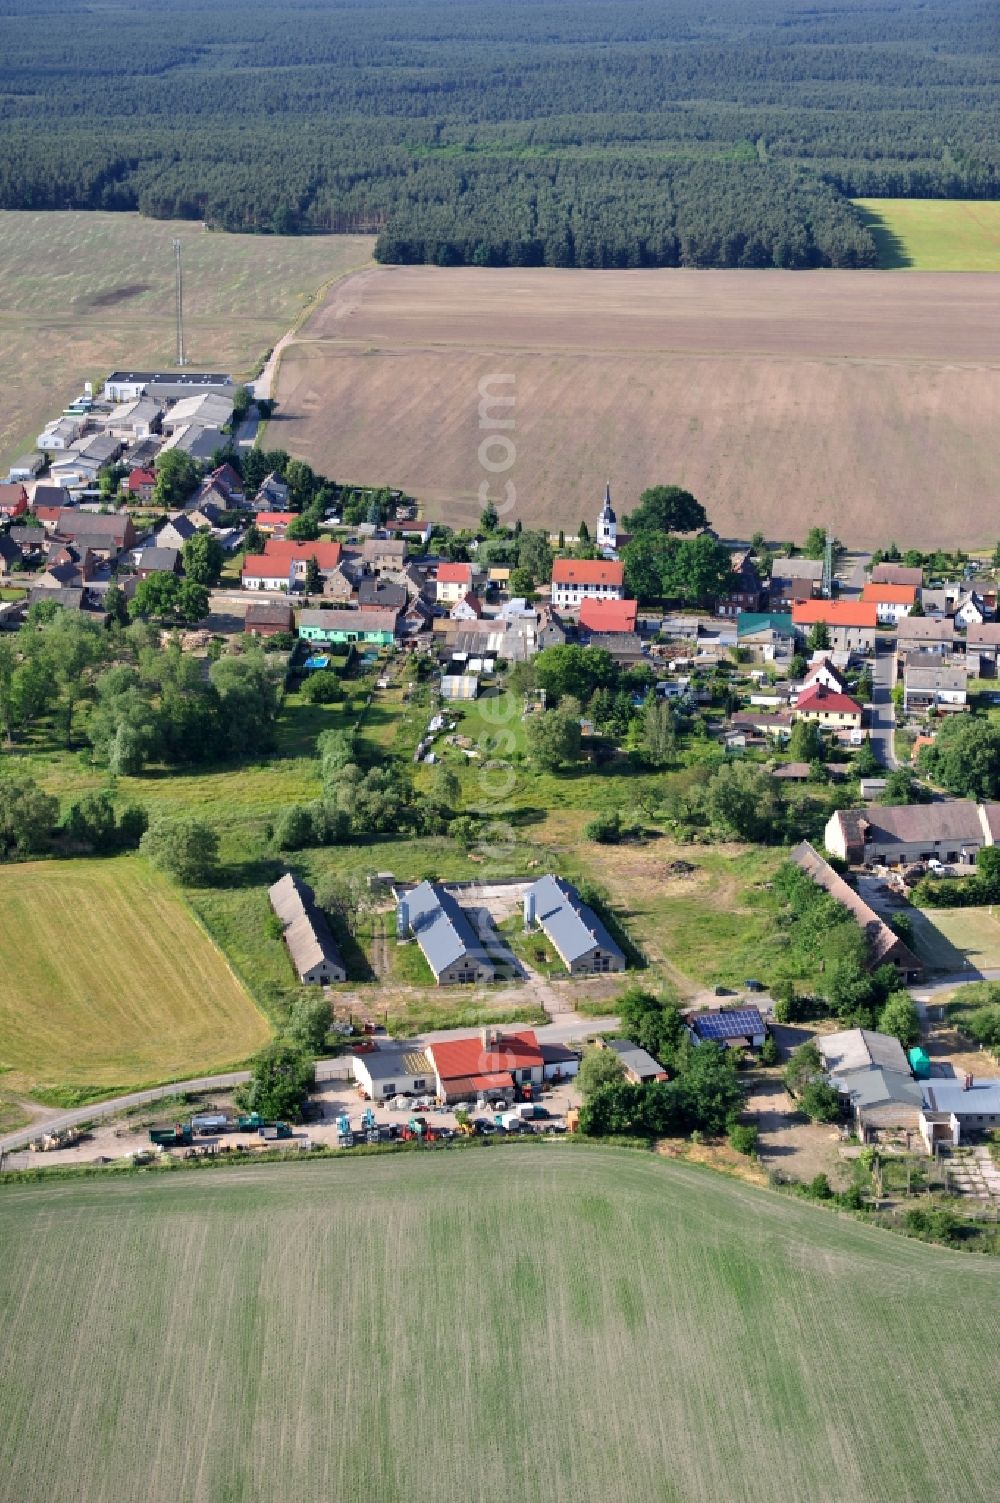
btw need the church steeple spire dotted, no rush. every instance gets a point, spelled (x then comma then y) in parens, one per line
(607, 524)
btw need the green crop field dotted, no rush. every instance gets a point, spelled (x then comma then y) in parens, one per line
(107, 980)
(83, 293)
(934, 234)
(545, 1322)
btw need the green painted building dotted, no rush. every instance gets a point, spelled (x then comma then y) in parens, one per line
(375, 626)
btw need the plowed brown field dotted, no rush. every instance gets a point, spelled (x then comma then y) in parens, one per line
(868, 400)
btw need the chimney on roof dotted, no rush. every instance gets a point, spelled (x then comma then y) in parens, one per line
(967, 1082)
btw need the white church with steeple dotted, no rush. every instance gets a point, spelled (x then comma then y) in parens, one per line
(607, 527)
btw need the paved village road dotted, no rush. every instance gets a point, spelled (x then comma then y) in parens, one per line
(883, 715)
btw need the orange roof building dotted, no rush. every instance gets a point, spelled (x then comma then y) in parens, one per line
(452, 582)
(274, 521)
(891, 601)
(609, 615)
(577, 579)
(327, 555)
(851, 623)
(490, 1061)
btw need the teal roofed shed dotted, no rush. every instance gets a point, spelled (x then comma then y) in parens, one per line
(919, 1062)
(748, 622)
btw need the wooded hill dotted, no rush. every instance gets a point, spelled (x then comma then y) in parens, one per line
(516, 133)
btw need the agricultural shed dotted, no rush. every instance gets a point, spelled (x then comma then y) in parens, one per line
(559, 1062)
(861, 1049)
(460, 686)
(445, 934)
(881, 1100)
(312, 947)
(581, 940)
(268, 618)
(950, 830)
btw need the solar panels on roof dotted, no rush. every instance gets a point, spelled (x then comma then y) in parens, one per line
(733, 1023)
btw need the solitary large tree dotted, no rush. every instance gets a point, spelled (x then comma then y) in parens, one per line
(203, 558)
(185, 848)
(554, 739)
(666, 508)
(176, 478)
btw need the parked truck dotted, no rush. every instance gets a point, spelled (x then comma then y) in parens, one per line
(272, 1131)
(171, 1134)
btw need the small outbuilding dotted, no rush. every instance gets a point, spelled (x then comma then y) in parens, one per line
(385, 1073)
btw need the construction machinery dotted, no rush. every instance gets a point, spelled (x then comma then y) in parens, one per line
(345, 1135)
(50, 1141)
(250, 1122)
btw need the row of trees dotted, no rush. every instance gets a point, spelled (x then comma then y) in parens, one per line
(30, 823)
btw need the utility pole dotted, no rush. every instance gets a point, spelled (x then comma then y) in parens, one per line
(828, 566)
(179, 280)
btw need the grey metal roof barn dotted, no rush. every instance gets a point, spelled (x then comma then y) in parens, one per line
(866, 1089)
(442, 929)
(568, 923)
(312, 947)
(861, 1049)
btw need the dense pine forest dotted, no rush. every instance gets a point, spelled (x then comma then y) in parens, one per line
(638, 133)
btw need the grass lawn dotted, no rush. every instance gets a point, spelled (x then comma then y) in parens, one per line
(643, 1332)
(12, 1113)
(948, 939)
(718, 924)
(107, 980)
(934, 234)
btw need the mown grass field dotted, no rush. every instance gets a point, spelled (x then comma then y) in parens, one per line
(83, 293)
(547, 1323)
(107, 980)
(948, 939)
(934, 234)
